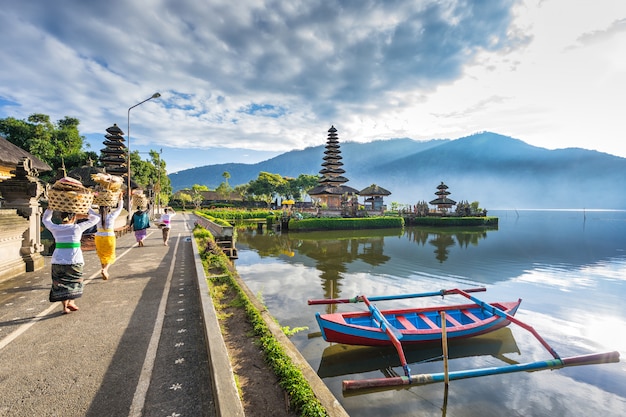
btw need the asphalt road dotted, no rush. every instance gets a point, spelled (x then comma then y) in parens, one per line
(136, 347)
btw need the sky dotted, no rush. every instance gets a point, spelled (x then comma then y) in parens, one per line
(241, 81)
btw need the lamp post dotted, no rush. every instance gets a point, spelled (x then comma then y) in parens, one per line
(155, 95)
(158, 186)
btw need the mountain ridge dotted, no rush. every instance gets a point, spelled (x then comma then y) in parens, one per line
(496, 170)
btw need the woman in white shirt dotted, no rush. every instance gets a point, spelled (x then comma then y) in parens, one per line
(67, 258)
(165, 223)
(105, 237)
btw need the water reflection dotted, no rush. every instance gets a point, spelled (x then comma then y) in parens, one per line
(341, 360)
(568, 267)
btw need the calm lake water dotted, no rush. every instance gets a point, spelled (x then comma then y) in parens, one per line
(569, 268)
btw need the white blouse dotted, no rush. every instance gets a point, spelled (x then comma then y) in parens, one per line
(67, 238)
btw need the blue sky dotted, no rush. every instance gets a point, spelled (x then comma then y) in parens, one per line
(241, 81)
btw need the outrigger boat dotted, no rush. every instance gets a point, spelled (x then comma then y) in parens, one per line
(425, 325)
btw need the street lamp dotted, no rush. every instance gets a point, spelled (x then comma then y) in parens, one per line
(155, 95)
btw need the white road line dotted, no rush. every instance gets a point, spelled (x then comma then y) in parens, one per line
(20, 330)
(139, 399)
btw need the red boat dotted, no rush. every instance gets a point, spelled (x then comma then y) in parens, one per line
(414, 325)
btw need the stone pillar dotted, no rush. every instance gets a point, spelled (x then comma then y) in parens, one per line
(22, 193)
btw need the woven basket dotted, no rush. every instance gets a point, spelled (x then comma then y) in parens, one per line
(140, 200)
(70, 201)
(106, 197)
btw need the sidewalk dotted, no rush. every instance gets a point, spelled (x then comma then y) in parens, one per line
(136, 347)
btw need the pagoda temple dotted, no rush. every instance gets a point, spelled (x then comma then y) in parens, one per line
(114, 155)
(331, 189)
(442, 201)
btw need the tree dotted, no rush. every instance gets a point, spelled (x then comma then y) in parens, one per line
(151, 172)
(56, 144)
(265, 187)
(304, 183)
(226, 176)
(183, 198)
(196, 195)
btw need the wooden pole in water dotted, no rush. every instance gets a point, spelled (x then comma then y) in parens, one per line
(423, 379)
(444, 342)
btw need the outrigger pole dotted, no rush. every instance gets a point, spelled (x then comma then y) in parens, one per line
(497, 311)
(424, 379)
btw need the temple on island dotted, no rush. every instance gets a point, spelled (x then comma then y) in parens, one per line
(331, 188)
(442, 201)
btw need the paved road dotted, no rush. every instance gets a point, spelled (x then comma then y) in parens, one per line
(136, 347)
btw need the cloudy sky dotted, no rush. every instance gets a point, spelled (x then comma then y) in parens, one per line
(247, 79)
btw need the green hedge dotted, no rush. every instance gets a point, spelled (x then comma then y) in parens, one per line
(215, 220)
(237, 214)
(338, 223)
(454, 221)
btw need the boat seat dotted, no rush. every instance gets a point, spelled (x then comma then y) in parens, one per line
(470, 315)
(405, 323)
(428, 321)
(453, 321)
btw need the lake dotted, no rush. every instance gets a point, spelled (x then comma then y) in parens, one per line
(569, 268)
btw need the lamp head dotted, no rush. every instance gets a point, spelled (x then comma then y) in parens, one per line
(156, 95)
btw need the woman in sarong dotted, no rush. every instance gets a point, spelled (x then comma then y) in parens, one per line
(140, 222)
(67, 258)
(105, 237)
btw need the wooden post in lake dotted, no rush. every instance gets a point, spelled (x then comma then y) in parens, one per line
(444, 342)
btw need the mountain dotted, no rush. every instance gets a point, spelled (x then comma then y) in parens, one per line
(495, 170)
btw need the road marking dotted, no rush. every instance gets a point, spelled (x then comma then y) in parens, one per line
(139, 399)
(20, 330)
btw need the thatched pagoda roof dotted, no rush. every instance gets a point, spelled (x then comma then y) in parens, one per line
(11, 155)
(334, 190)
(374, 190)
(442, 201)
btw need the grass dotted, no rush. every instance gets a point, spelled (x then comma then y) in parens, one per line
(302, 398)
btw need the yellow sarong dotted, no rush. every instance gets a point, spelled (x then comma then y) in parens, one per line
(105, 247)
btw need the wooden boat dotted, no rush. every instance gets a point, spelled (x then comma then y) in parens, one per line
(413, 325)
(422, 325)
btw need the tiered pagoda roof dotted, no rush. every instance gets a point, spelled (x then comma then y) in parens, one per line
(114, 155)
(332, 181)
(442, 200)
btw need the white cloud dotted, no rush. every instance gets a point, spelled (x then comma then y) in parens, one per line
(546, 72)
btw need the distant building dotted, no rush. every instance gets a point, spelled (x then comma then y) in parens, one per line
(373, 197)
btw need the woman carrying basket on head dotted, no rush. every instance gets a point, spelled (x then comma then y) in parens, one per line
(105, 237)
(67, 258)
(165, 223)
(140, 221)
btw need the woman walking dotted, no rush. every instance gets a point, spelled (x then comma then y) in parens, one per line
(67, 258)
(105, 237)
(165, 221)
(140, 222)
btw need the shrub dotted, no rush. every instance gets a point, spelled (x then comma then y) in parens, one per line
(337, 223)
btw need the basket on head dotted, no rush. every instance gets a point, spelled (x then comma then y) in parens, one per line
(140, 200)
(103, 197)
(70, 201)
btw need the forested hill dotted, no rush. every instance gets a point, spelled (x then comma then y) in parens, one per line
(498, 171)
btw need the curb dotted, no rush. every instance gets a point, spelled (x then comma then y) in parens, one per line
(226, 395)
